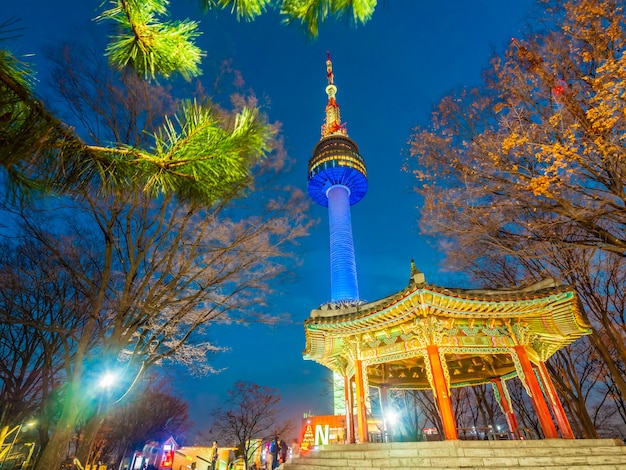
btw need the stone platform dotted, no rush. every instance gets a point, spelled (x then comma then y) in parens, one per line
(548, 454)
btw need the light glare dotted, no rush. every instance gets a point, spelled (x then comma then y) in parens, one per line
(107, 380)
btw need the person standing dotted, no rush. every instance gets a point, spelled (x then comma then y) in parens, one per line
(283, 451)
(214, 456)
(274, 452)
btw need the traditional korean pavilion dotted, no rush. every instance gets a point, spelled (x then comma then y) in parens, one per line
(432, 337)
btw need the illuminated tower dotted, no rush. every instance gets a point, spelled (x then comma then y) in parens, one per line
(337, 180)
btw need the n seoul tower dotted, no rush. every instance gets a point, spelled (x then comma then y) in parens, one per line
(337, 180)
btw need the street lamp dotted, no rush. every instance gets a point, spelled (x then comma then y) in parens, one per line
(391, 418)
(105, 384)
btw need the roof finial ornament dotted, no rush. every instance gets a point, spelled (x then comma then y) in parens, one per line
(332, 124)
(417, 277)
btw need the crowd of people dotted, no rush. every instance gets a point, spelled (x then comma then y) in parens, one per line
(277, 454)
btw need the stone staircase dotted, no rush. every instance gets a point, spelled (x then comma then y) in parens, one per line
(548, 454)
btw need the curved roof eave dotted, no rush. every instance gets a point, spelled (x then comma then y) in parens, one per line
(528, 301)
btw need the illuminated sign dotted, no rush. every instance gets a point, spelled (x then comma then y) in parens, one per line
(322, 435)
(168, 459)
(322, 431)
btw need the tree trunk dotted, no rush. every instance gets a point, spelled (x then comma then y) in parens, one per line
(589, 427)
(90, 432)
(481, 403)
(616, 375)
(53, 455)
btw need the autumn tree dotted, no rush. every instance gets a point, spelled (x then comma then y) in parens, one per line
(250, 416)
(524, 176)
(536, 153)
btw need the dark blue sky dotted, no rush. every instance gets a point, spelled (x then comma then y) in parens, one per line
(389, 73)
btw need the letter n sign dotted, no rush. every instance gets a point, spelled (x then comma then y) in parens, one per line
(322, 435)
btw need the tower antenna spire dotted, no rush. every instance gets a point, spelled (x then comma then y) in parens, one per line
(329, 69)
(332, 124)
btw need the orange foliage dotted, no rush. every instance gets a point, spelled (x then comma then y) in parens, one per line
(545, 136)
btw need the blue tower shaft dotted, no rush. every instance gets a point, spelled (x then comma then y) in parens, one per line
(343, 276)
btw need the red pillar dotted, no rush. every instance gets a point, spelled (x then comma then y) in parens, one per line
(440, 389)
(555, 402)
(347, 386)
(361, 412)
(539, 403)
(511, 419)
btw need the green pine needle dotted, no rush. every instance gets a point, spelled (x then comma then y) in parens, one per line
(247, 10)
(198, 157)
(150, 46)
(311, 13)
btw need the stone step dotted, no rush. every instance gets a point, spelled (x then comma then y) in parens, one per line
(463, 467)
(548, 454)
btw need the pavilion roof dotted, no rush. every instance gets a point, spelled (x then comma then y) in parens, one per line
(545, 316)
(545, 298)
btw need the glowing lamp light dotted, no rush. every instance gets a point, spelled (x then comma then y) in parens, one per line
(108, 379)
(391, 418)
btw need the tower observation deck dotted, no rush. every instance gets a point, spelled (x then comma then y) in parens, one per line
(337, 180)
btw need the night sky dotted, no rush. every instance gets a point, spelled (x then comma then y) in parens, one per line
(389, 73)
